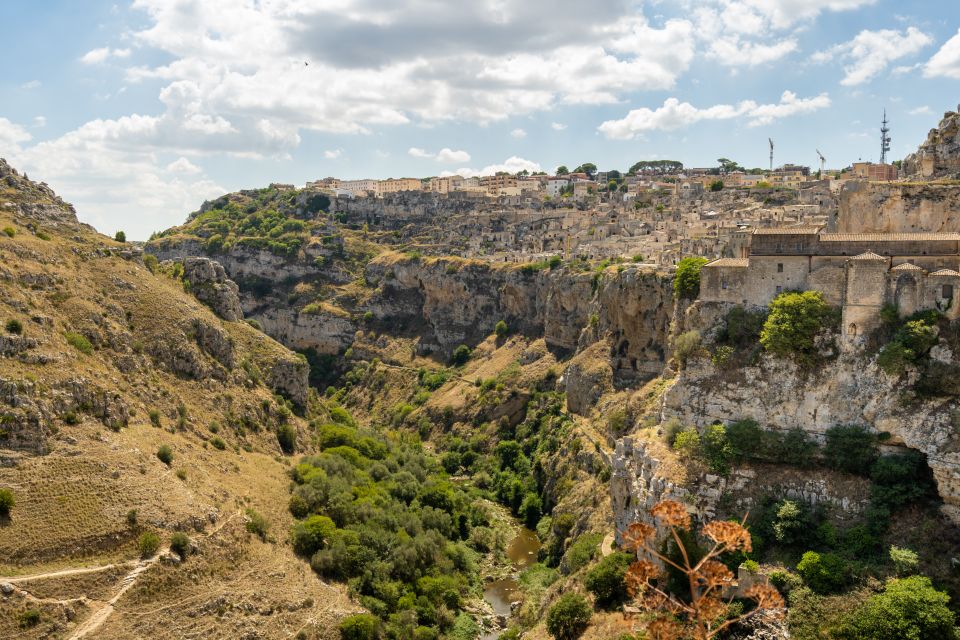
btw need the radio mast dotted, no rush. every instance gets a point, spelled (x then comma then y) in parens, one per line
(884, 138)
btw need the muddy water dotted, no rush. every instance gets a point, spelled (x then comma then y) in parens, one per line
(522, 552)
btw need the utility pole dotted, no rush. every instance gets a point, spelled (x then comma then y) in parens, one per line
(771, 153)
(884, 138)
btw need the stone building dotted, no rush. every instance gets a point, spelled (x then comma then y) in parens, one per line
(860, 272)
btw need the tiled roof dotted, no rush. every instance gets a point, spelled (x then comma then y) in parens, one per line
(906, 266)
(869, 255)
(776, 231)
(887, 237)
(729, 262)
(946, 272)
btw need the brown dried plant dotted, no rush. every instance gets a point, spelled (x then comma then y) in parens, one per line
(706, 614)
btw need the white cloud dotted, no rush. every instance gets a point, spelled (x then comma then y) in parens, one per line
(783, 14)
(518, 133)
(556, 126)
(39, 121)
(513, 164)
(182, 165)
(675, 114)
(32, 84)
(920, 111)
(945, 63)
(870, 52)
(102, 54)
(11, 135)
(332, 154)
(444, 155)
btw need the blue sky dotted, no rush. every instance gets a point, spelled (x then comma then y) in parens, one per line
(138, 111)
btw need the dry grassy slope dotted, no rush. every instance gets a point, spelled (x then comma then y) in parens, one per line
(75, 483)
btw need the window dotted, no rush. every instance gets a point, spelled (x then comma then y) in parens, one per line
(779, 267)
(947, 292)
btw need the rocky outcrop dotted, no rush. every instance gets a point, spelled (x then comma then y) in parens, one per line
(290, 378)
(327, 332)
(939, 155)
(210, 284)
(34, 200)
(215, 342)
(891, 207)
(587, 377)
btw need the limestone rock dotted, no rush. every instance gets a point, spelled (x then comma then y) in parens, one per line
(209, 283)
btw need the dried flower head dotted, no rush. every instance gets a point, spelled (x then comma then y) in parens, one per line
(664, 629)
(731, 535)
(766, 597)
(712, 608)
(715, 574)
(672, 514)
(638, 575)
(637, 535)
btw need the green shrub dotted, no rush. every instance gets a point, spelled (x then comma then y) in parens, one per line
(741, 328)
(824, 573)
(904, 561)
(10, 231)
(154, 417)
(14, 326)
(180, 544)
(361, 626)
(7, 502)
(501, 329)
(722, 356)
(530, 510)
(792, 523)
(686, 345)
(460, 355)
(218, 443)
(569, 616)
(686, 281)
(132, 518)
(287, 437)
(120, 236)
(79, 342)
(29, 618)
(148, 543)
(150, 262)
(165, 454)
(582, 551)
(910, 344)
(687, 443)
(907, 609)
(850, 448)
(671, 429)
(310, 535)
(606, 580)
(43, 235)
(257, 524)
(716, 449)
(785, 581)
(793, 323)
(716, 185)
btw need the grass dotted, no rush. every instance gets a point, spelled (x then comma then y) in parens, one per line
(78, 342)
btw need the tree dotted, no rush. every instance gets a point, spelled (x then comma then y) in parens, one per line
(907, 609)
(697, 610)
(7, 502)
(287, 438)
(716, 185)
(460, 355)
(793, 323)
(501, 329)
(148, 543)
(562, 170)
(728, 166)
(824, 572)
(568, 617)
(180, 544)
(850, 448)
(686, 281)
(311, 535)
(165, 454)
(606, 580)
(120, 236)
(588, 168)
(905, 561)
(361, 626)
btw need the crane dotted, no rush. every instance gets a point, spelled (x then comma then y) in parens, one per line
(823, 162)
(770, 140)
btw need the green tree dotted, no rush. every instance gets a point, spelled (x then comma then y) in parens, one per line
(460, 355)
(7, 502)
(793, 323)
(824, 573)
(562, 170)
(569, 616)
(120, 236)
(165, 454)
(148, 543)
(361, 626)
(717, 449)
(905, 561)
(850, 448)
(606, 580)
(588, 168)
(716, 185)
(180, 544)
(311, 535)
(907, 609)
(501, 329)
(686, 281)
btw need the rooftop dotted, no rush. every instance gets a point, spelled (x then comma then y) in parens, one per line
(946, 272)
(729, 262)
(869, 255)
(906, 266)
(776, 231)
(888, 237)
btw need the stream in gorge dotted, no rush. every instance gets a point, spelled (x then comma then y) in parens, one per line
(502, 593)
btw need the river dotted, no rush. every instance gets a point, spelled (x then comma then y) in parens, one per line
(522, 551)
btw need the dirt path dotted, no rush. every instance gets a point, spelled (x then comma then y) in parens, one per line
(606, 547)
(63, 573)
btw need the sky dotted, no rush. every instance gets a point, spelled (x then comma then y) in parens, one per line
(138, 111)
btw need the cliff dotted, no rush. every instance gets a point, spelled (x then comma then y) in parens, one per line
(939, 155)
(892, 207)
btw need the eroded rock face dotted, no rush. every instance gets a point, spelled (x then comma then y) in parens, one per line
(939, 155)
(890, 207)
(587, 377)
(210, 284)
(290, 378)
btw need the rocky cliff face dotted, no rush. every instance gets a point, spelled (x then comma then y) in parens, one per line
(939, 155)
(880, 207)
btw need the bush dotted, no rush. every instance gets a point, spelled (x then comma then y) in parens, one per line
(907, 609)
(582, 551)
(165, 454)
(154, 417)
(78, 342)
(850, 448)
(180, 544)
(311, 535)
(148, 543)
(501, 329)
(687, 443)
(824, 573)
(460, 355)
(606, 580)
(7, 502)
(257, 524)
(132, 518)
(150, 262)
(686, 345)
(218, 443)
(793, 323)
(569, 616)
(29, 619)
(910, 345)
(716, 449)
(686, 281)
(120, 236)
(287, 437)
(716, 185)
(14, 326)
(904, 561)
(10, 231)
(361, 626)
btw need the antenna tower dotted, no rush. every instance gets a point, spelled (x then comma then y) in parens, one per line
(771, 153)
(884, 138)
